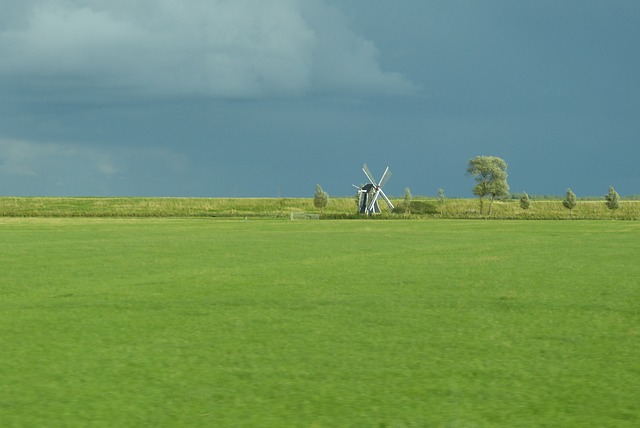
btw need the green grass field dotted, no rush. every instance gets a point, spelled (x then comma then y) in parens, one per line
(200, 322)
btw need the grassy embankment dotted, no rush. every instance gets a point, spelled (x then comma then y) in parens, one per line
(184, 322)
(283, 207)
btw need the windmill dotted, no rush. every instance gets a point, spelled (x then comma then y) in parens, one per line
(369, 193)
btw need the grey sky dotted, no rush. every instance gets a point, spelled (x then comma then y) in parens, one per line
(270, 97)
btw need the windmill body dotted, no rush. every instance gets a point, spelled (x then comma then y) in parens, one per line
(369, 194)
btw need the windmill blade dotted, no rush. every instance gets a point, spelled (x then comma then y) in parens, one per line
(366, 171)
(389, 204)
(372, 204)
(357, 187)
(385, 177)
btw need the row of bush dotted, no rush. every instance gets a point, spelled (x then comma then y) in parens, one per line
(517, 196)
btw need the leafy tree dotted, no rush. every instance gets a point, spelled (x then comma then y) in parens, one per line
(490, 173)
(612, 199)
(569, 201)
(406, 202)
(525, 203)
(321, 198)
(441, 197)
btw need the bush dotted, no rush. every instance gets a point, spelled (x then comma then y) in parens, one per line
(423, 207)
(612, 199)
(569, 201)
(525, 203)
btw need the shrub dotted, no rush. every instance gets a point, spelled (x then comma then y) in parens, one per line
(569, 201)
(321, 198)
(612, 199)
(423, 207)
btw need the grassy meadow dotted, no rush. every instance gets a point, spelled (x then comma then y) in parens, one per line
(338, 208)
(197, 322)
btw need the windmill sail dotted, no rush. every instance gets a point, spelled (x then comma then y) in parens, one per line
(366, 171)
(385, 177)
(389, 204)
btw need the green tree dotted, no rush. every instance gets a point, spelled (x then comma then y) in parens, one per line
(569, 201)
(321, 198)
(490, 173)
(525, 203)
(612, 199)
(441, 197)
(406, 201)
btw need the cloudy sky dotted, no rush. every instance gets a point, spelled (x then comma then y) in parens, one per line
(268, 98)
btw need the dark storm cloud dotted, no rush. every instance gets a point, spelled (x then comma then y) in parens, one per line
(239, 49)
(89, 86)
(267, 98)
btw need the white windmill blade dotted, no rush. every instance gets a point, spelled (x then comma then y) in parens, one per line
(366, 171)
(372, 204)
(357, 187)
(387, 200)
(385, 177)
